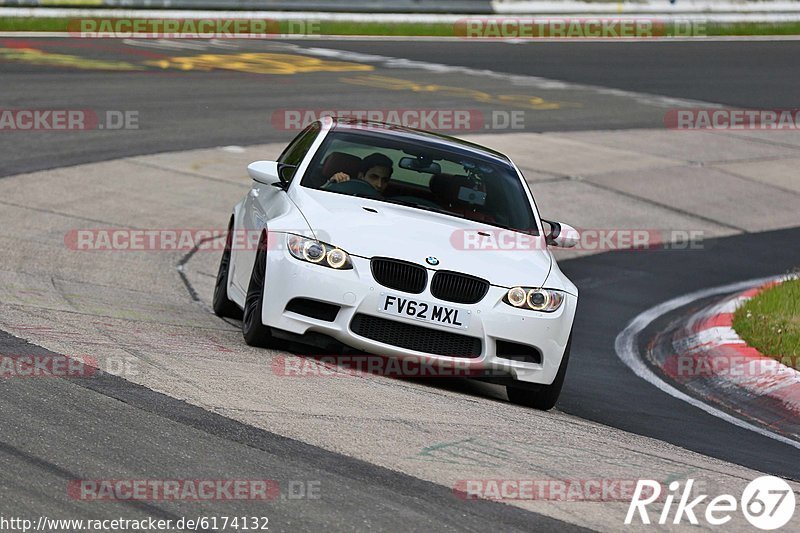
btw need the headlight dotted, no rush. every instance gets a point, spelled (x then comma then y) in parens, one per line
(337, 258)
(317, 252)
(313, 252)
(517, 296)
(544, 300)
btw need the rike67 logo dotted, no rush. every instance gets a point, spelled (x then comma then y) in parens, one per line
(767, 502)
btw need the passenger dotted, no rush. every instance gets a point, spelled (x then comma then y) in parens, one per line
(376, 169)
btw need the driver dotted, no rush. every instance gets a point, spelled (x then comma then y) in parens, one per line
(376, 169)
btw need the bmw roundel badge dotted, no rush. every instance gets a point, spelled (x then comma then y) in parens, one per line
(432, 261)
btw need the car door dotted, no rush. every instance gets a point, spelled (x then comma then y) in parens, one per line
(264, 202)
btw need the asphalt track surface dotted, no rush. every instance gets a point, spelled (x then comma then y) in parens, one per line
(615, 287)
(65, 428)
(61, 431)
(735, 73)
(181, 109)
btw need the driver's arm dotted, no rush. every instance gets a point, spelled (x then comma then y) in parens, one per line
(339, 177)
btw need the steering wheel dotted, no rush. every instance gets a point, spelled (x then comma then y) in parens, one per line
(356, 187)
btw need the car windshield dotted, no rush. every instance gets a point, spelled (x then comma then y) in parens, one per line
(451, 180)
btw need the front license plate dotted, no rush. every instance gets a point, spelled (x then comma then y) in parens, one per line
(424, 311)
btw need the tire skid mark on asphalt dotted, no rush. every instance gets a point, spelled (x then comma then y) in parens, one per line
(146, 164)
(54, 212)
(51, 468)
(110, 339)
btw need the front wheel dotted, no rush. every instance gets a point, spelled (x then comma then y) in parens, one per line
(542, 397)
(254, 331)
(223, 306)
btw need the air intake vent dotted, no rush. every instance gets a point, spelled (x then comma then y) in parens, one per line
(417, 338)
(518, 352)
(314, 309)
(399, 275)
(460, 288)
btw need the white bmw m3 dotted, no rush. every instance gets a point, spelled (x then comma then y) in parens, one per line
(402, 243)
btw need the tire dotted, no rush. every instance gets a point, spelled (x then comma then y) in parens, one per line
(542, 397)
(254, 331)
(223, 307)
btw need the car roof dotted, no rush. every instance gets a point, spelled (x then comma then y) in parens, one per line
(426, 137)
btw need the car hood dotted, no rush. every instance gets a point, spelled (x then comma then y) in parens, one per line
(413, 235)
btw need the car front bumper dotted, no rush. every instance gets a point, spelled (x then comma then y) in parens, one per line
(356, 292)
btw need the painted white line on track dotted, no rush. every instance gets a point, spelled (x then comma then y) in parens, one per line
(626, 346)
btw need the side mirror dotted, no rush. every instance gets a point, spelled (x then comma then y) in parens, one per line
(265, 172)
(562, 235)
(271, 173)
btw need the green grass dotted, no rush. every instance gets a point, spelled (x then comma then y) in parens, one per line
(410, 29)
(32, 24)
(770, 322)
(753, 28)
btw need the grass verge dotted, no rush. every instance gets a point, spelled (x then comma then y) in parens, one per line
(770, 322)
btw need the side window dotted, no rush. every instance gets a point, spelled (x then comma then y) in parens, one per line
(298, 148)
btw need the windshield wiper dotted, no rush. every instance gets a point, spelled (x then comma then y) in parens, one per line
(420, 206)
(535, 233)
(446, 212)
